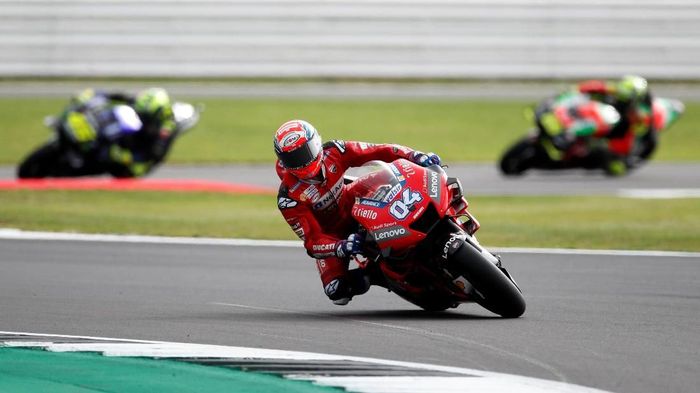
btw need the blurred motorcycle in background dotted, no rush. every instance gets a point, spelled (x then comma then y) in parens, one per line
(84, 143)
(544, 149)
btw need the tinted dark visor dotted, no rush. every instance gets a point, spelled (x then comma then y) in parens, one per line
(300, 157)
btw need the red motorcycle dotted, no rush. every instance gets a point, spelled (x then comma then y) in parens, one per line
(420, 239)
(540, 150)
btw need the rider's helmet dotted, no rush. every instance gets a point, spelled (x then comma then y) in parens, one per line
(631, 88)
(299, 149)
(153, 105)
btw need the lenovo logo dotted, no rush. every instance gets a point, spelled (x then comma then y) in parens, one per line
(434, 186)
(390, 233)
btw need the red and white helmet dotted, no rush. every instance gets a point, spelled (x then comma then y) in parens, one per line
(298, 147)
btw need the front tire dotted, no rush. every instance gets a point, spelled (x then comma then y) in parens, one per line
(519, 158)
(40, 163)
(493, 289)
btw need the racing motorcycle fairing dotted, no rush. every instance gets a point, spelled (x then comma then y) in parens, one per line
(411, 215)
(399, 202)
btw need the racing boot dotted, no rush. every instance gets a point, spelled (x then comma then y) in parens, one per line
(615, 166)
(342, 290)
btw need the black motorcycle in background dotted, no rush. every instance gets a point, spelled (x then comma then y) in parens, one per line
(80, 142)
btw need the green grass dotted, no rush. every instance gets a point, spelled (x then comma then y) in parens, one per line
(237, 130)
(150, 213)
(572, 222)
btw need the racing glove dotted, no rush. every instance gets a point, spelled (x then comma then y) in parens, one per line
(351, 246)
(425, 159)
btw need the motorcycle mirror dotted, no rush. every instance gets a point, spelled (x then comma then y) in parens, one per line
(50, 121)
(183, 111)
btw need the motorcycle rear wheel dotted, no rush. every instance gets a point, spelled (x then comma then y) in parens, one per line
(493, 289)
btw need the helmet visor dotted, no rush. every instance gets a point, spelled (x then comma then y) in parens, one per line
(300, 157)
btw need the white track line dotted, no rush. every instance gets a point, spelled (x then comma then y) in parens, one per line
(16, 234)
(420, 332)
(659, 193)
(464, 379)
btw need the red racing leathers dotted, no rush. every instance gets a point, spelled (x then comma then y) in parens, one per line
(320, 213)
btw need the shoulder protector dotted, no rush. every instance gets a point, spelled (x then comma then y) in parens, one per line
(338, 144)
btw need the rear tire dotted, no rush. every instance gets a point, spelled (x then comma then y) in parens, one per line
(519, 158)
(493, 289)
(40, 163)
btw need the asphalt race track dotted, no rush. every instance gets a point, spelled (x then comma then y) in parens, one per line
(477, 179)
(485, 179)
(618, 323)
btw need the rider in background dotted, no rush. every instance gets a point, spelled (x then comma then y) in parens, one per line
(632, 99)
(316, 204)
(133, 154)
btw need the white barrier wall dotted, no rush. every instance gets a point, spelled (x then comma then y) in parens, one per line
(351, 38)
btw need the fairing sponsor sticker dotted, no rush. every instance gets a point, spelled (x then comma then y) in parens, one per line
(407, 167)
(434, 186)
(390, 233)
(371, 202)
(365, 213)
(401, 208)
(392, 193)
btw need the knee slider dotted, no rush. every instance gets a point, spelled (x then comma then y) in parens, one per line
(337, 289)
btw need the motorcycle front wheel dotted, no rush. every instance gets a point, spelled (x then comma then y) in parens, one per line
(40, 163)
(493, 288)
(519, 158)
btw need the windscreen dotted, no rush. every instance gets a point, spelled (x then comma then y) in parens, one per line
(378, 181)
(118, 121)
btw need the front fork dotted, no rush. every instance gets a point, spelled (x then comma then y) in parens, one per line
(454, 242)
